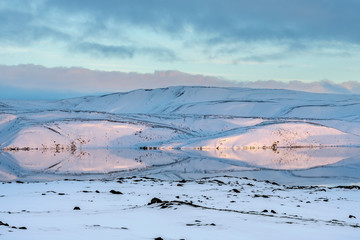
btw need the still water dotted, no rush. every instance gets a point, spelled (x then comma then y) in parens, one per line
(297, 166)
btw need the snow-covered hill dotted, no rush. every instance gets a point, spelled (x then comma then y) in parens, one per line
(225, 124)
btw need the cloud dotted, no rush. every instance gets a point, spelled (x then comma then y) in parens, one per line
(324, 86)
(21, 28)
(123, 51)
(90, 81)
(104, 50)
(231, 20)
(161, 54)
(26, 27)
(290, 23)
(27, 81)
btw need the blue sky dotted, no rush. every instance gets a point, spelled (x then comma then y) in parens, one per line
(231, 40)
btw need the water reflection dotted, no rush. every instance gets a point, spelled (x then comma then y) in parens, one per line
(284, 158)
(266, 163)
(90, 160)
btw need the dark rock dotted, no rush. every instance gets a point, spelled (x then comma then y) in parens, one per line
(182, 181)
(272, 211)
(61, 194)
(299, 187)
(180, 185)
(22, 228)
(115, 192)
(158, 238)
(76, 208)
(265, 211)
(263, 196)
(219, 182)
(155, 200)
(97, 191)
(235, 190)
(348, 187)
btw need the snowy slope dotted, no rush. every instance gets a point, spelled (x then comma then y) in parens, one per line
(226, 101)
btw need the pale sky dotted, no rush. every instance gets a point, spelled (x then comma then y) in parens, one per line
(231, 40)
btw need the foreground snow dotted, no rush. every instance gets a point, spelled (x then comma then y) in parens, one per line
(211, 208)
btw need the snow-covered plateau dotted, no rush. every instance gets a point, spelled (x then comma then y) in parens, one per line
(258, 164)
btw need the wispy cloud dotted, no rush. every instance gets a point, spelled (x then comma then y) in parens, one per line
(123, 51)
(99, 50)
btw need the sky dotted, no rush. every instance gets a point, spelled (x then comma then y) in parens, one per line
(57, 49)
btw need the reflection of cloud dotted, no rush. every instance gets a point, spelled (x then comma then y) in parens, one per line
(85, 81)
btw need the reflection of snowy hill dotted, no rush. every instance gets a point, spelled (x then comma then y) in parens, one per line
(221, 120)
